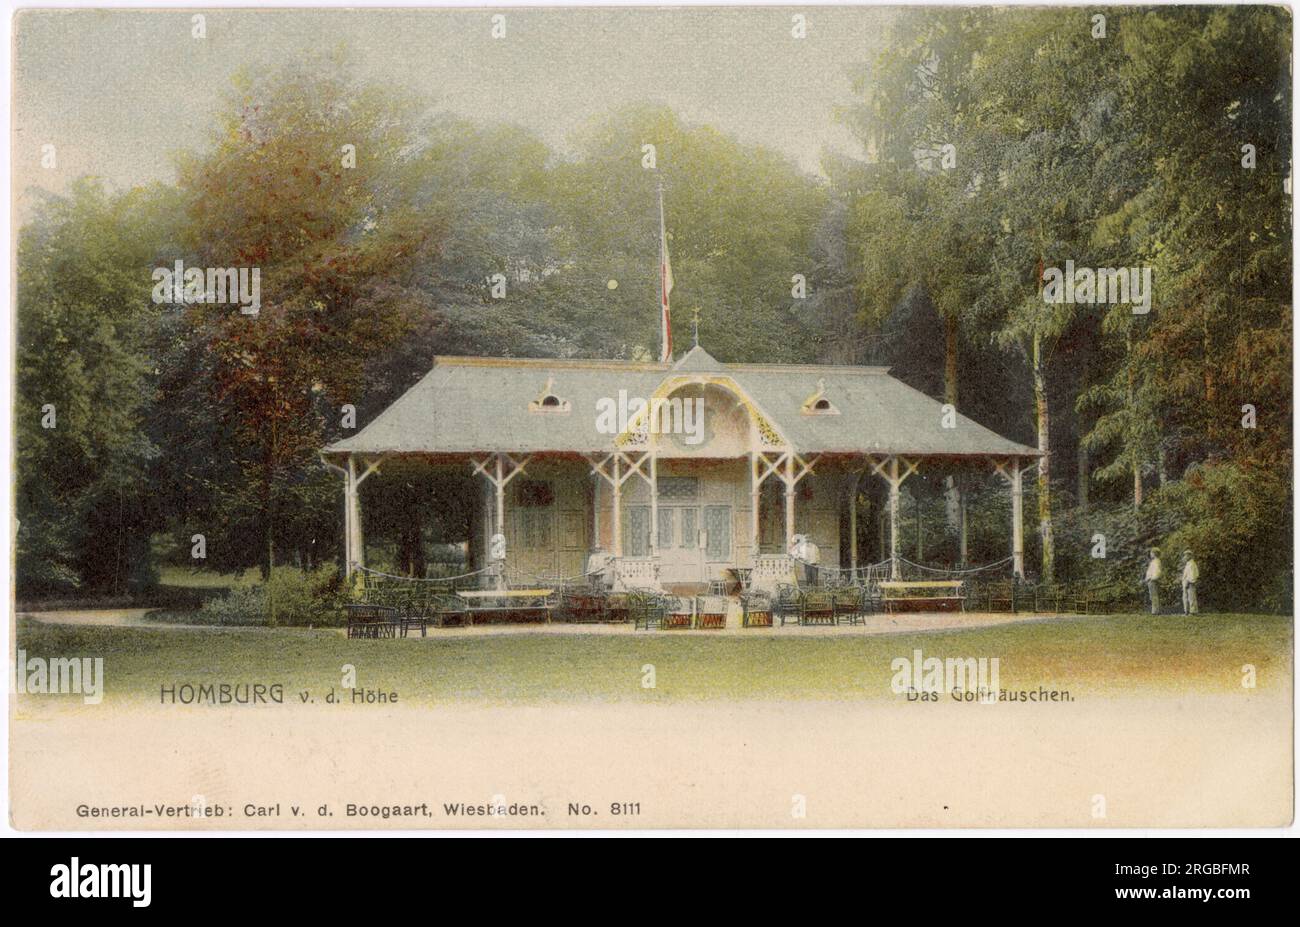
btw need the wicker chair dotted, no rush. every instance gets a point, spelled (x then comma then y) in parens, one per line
(366, 620)
(756, 610)
(679, 613)
(647, 609)
(414, 612)
(786, 604)
(847, 604)
(817, 606)
(711, 612)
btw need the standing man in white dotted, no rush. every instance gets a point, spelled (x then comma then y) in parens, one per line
(1153, 580)
(1191, 573)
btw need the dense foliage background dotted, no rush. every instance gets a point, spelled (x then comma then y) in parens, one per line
(1115, 152)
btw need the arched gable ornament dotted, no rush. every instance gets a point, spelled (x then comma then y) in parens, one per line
(637, 433)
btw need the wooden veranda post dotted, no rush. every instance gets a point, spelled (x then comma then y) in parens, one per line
(616, 490)
(853, 525)
(1017, 520)
(888, 470)
(1015, 479)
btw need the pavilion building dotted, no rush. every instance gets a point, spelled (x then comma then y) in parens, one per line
(681, 471)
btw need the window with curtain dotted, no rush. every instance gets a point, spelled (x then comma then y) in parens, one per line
(636, 531)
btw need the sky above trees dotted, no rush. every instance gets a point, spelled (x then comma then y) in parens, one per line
(118, 94)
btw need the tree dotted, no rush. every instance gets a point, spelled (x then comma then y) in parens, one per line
(85, 389)
(302, 183)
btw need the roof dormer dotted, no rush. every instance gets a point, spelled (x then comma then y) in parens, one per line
(548, 401)
(818, 404)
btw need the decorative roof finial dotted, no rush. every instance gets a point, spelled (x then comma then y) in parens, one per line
(695, 324)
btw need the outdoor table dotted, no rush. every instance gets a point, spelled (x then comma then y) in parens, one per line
(741, 577)
(507, 600)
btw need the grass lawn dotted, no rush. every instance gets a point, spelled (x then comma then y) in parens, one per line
(1090, 657)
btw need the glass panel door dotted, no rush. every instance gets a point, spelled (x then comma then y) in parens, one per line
(717, 529)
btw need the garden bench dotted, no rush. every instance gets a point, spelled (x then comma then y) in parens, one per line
(508, 601)
(932, 595)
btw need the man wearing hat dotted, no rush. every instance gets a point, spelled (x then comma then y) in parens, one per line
(1191, 573)
(1153, 580)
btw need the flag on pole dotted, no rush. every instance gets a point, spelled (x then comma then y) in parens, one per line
(665, 284)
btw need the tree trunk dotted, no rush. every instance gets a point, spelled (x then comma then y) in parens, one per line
(1044, 462)
(1083, 478)
(1134, 452)
(952, 493)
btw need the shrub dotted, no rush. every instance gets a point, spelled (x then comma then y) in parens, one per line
(291, 597)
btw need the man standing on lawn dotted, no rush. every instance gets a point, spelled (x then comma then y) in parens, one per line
(1153, 580)
(1191, 573)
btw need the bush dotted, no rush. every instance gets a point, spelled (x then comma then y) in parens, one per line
(291, 598)
(1235, 519)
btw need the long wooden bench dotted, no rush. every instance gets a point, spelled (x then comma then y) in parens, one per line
(931, 595)
(539, 602)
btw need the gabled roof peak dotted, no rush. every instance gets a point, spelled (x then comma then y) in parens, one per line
(698, 360)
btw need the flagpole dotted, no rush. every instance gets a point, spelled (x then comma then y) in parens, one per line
(665, 352)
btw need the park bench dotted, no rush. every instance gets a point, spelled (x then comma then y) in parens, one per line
(537, 602)
(932, 595)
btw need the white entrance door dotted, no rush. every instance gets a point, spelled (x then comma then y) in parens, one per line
(681, 555)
